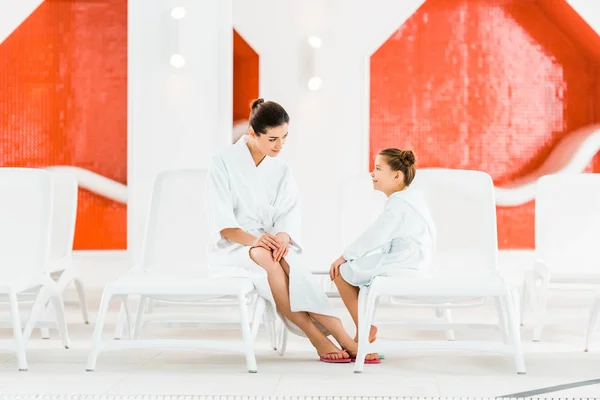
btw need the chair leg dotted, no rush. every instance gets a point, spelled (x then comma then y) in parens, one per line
(512, 322)
(540, 308)
(59, 310)
(517, 303)
(45, 332)
(121, 318)
(129, 322)
(40, 306)
(446, 314)
(283, 339)
(139, 317)
(82, 300)
(523, 301)
(592, 323)
(258, 316)
(502, 323)
(366, 309)
(97, 337)
(270, 324)
(17, 334)
(247, 335)
(150, 307)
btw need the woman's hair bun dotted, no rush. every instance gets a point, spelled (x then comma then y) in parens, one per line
(256, 103)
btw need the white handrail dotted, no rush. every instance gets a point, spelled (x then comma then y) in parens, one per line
(571, 156)
(94, 182)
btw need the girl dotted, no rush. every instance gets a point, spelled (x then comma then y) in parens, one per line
(402, 238)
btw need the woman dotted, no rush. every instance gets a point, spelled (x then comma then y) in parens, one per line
(255, 221)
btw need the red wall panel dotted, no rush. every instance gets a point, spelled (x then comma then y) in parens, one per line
(245, 77)
(64, 102)
(485, 84)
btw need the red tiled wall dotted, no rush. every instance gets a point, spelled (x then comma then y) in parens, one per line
(245, 77)
(484, 84)
(63, 101)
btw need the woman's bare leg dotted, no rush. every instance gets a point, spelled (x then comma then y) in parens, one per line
(333, 325)
(279, 283)
(349, 295)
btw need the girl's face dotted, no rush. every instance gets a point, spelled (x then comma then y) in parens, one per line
(384, 178)
(271, 142)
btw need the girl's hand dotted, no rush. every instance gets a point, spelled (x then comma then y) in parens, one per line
(284, 239)
(334, 271)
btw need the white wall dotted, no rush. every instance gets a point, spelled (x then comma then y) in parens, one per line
(177, 117)
(13, 13)
(589, 10)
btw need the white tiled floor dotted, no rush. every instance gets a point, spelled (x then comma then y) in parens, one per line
(558, 359)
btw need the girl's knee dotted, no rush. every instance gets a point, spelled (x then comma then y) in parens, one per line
(339, 280)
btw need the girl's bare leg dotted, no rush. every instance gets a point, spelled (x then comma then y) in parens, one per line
(349, 295)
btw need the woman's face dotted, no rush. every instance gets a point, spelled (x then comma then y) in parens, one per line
(271, 142)
(384, 178)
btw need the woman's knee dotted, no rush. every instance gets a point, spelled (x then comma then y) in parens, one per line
(264, 258)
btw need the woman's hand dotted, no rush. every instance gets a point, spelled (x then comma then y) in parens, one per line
(268, 241)
(334, 271)
(285, 240)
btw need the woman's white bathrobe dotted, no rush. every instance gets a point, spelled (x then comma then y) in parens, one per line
(259, 199)
(400, 240)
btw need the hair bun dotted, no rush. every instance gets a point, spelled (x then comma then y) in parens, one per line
(408, 158)
(257, 102)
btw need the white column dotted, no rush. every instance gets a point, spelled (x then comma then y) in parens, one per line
(178, 117)
(13, 13)
(589, 10)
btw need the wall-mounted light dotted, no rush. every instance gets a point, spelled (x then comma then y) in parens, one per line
(177, 61)
(173, 37)
(314, 83)
(311, 76)
(178, 12)
(315, 42)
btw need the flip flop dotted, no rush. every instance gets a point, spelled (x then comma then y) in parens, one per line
(377, 361)
(335, 360)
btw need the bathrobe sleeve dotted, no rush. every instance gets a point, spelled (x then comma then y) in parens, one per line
(288, 215)
(219, 200)
(379, 233)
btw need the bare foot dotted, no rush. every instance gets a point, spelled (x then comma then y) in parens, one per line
(352, 349)
(326, 349)
(372, 335)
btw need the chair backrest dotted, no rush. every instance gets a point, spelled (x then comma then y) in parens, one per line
(360, 206)
(176, 231)
(463, 208)
(25, 220)
(567, 222)
(64, 216)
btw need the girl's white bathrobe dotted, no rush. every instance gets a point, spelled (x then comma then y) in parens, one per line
(402, 238)
(259, 199)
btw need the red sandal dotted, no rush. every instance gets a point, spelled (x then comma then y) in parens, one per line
(335, 360)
